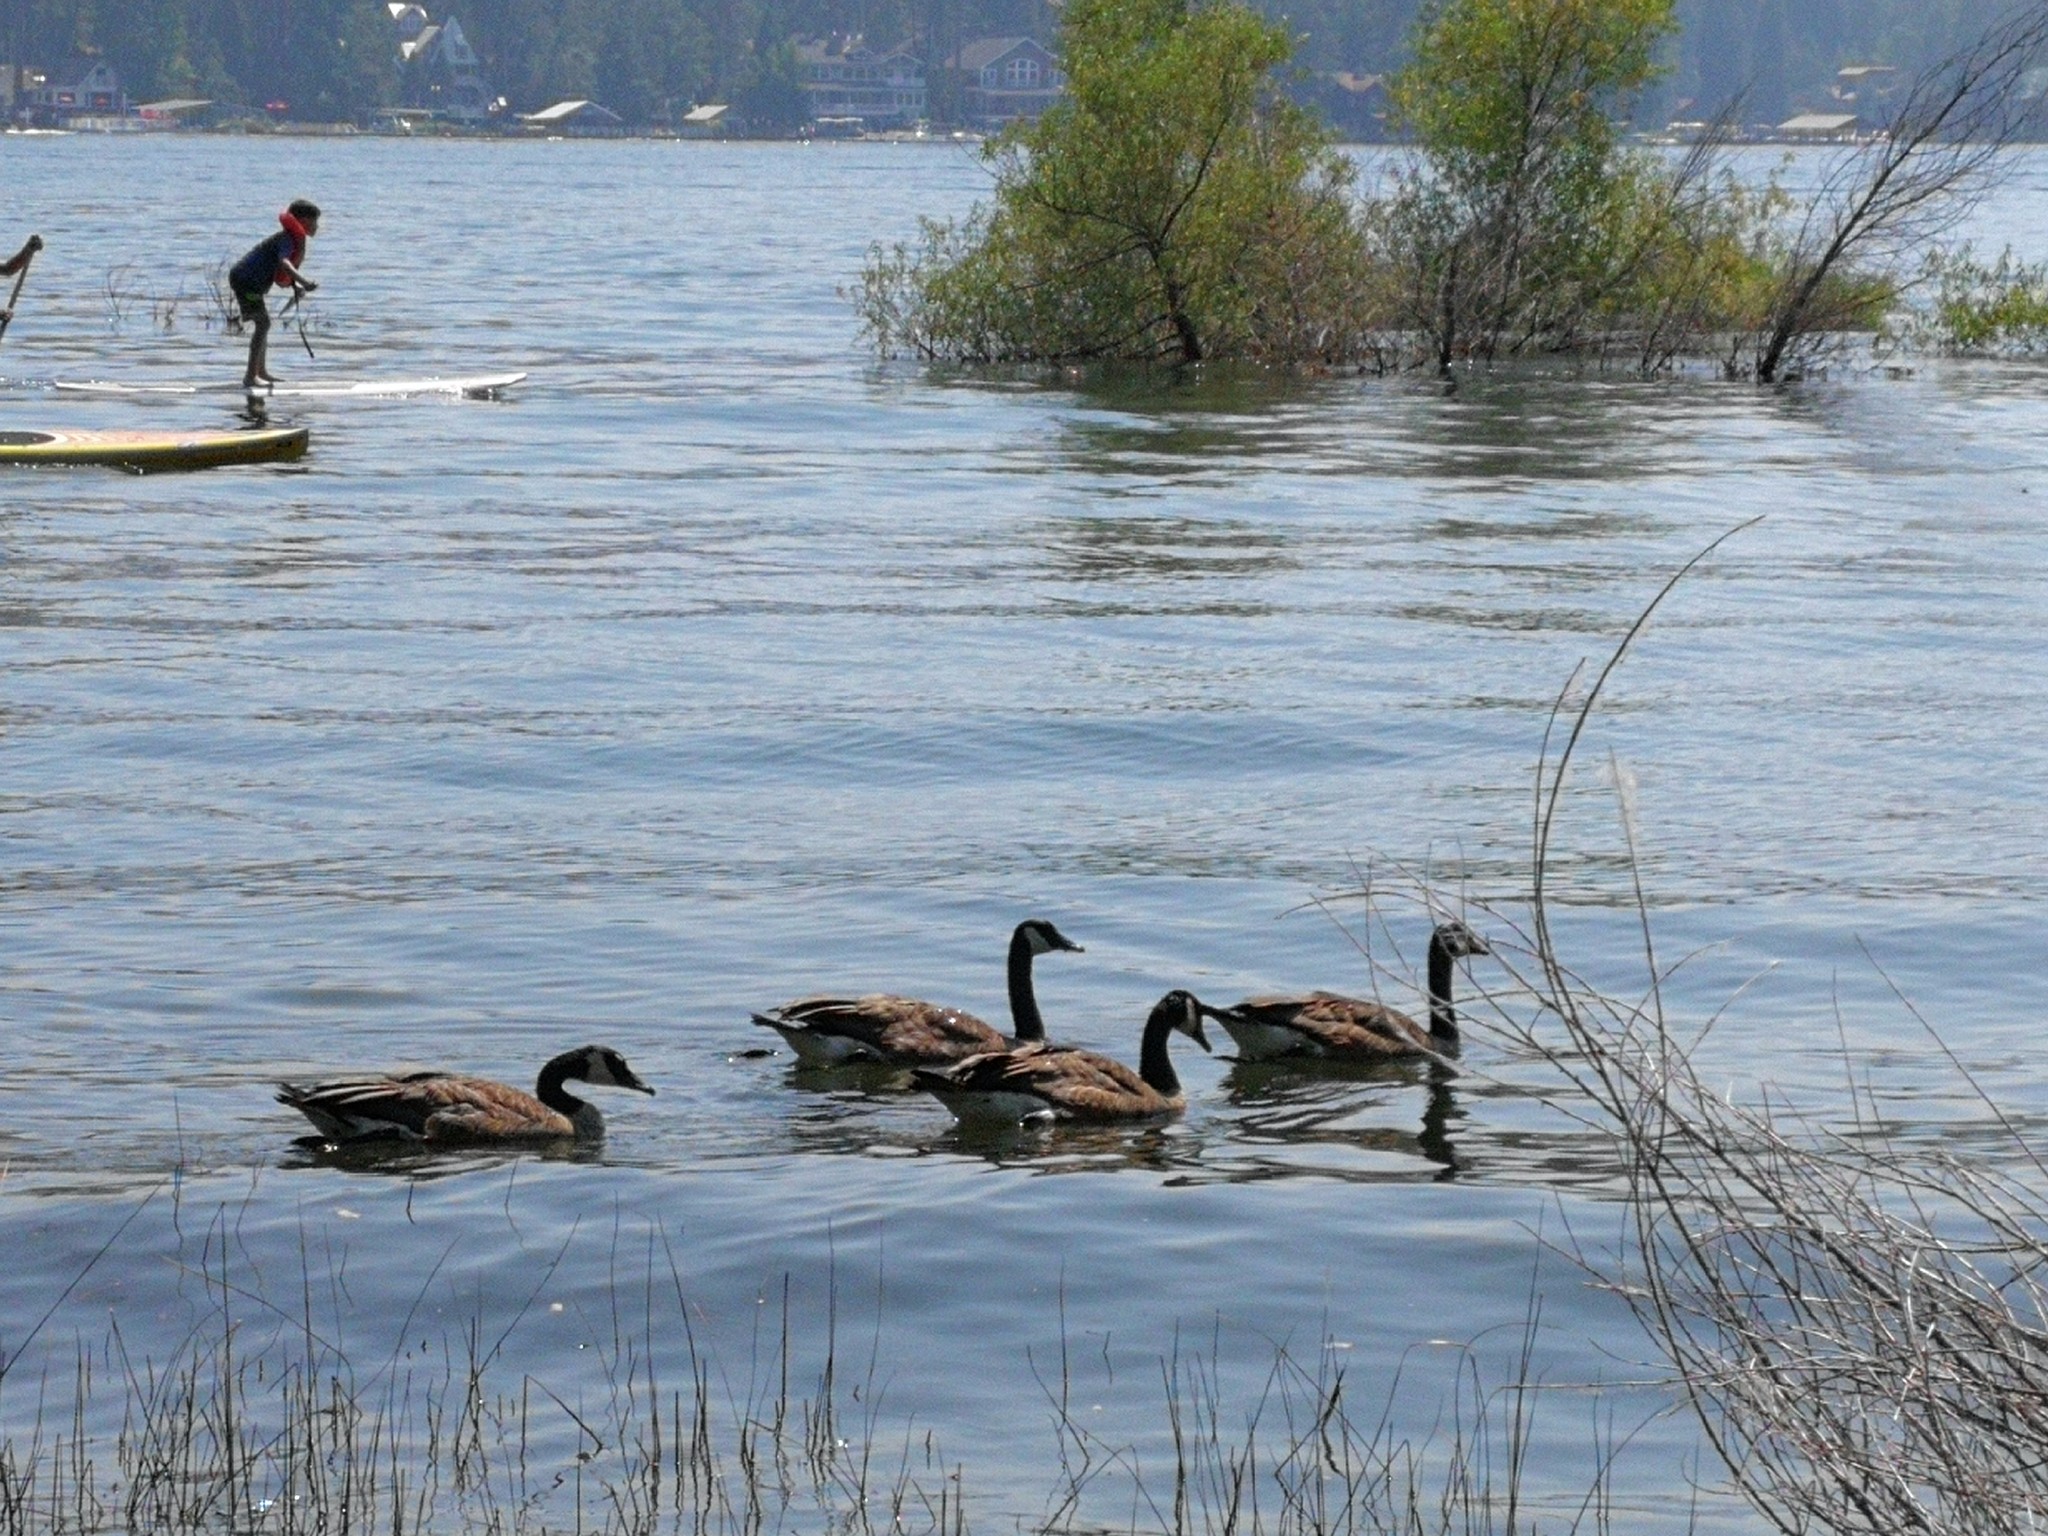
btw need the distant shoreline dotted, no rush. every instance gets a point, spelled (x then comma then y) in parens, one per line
(494, 135)
(953, 136)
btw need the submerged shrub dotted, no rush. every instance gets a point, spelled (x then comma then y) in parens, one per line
(1527, 225)
(1997, 308)
(1172, 208)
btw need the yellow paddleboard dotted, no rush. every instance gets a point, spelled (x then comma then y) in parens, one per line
(152, 450)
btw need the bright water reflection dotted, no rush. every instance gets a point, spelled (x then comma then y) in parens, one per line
(718, 665)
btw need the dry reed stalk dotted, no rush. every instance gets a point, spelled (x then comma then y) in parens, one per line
(1859, 1320)
(259, 1422)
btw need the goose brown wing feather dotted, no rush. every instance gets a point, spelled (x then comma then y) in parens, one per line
(1342, 1026)
(1075, 1083)
(436, 1106)
(898, 1029)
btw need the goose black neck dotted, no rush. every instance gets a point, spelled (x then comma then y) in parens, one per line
(1155, 1065)
(1025, 1021)
(549, 1089)
(1443, 1019)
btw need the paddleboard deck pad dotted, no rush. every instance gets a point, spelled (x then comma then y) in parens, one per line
(152, 450)
(477, 384)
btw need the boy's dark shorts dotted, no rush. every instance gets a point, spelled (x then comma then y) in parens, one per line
(253, 307)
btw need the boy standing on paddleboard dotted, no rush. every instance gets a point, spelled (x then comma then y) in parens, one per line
(273, 263)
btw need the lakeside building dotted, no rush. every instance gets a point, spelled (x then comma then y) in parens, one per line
(441, 75)
(713, 120)
(85, 87)
(1354, 105)
(1865, 83)
(1819, 127)
(179, 112)
(843, 78)
(411, 21)
(1002, 80)
(577, 119)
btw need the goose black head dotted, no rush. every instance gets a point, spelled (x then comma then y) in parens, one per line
(606, 1068)
(1043, 938)
(1185, 1012)
(1458, 941)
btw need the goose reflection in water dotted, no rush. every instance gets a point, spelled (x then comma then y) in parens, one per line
(1296, 1104)
(423, 1163)
(848, 1121)
(850, 1079)
(1075, 1148)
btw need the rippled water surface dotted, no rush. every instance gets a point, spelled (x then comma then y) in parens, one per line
(717, 664)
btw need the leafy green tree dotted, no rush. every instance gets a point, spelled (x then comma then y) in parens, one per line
(1502, 94)
(655, 56)
(359, 70)
(773, 94)
(1173, 207)
(1518, 226)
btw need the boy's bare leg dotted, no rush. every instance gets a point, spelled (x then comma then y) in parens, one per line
(259, 353)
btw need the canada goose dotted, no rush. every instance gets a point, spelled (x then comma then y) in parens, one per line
(831, 1031)
(1049, 1082)
(1326, 1024)
(446, 1106)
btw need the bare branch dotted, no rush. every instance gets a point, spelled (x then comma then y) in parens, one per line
(1935, 160)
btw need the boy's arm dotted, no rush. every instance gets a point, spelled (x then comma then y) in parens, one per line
(298, 279)
(20, 258)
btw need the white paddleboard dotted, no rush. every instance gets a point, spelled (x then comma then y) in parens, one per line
(470, 384)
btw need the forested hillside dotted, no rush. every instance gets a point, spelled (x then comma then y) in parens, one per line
(335, 59)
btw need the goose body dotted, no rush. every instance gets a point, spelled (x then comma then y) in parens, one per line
(1328, 1024)
(1037, 1083)
(906, 1031)
(450, 1107)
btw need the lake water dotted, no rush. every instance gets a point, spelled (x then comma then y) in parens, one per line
(718, 664)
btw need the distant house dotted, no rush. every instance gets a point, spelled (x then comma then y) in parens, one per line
(1355, 105)
(844, 78)
(582, 119)
(1865, 83)
(442, 75)
(84, 87)
(18, 87)
(706, 122)
(180, 112)
(410, 19)
(1822, 126)
(1003, 79)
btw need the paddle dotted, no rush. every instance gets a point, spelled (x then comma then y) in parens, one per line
(298, 294)
(28, 255)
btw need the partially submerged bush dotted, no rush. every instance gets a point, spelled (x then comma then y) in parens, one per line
(1173, 208)
(1995, 308)
(1177, 209)
(1525, 213)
